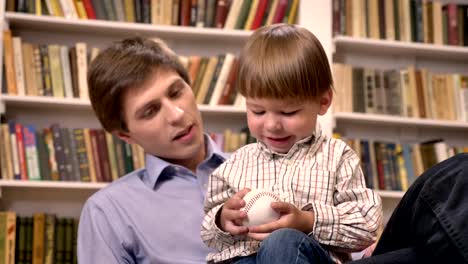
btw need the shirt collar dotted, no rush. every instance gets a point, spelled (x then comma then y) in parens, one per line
(305, 142)
(156, 166)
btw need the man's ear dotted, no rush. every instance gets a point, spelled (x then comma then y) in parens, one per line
(123, 135)
(325, 101)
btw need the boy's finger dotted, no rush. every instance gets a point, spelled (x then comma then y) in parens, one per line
(282, 207)
(258, 236)
(234, 214)
(265, 228)
(236, 230)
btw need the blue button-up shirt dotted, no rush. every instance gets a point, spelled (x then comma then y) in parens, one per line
(151, 215)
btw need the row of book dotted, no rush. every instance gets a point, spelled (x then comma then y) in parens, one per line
(214, 79)
(65, 154)
(394, 166)
(41, 239)
(424, 21)
(60, 71)
(45, 70)
(407, 92)
(229, 14)
(229, 141)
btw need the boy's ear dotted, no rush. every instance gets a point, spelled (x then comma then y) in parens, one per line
(325, 101)
(125, 136)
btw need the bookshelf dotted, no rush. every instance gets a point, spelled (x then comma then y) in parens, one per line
(384, 53)
(66, 198)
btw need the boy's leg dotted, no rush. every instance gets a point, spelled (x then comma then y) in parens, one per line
(291, 246)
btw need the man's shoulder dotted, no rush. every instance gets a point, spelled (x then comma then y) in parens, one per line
(116, 190)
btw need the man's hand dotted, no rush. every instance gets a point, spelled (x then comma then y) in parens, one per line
(291, 217)
(231, 217)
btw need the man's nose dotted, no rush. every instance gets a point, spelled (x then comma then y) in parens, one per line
(173, 112)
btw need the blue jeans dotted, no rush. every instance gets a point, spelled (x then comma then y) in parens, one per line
(288, 246)
(429, 224)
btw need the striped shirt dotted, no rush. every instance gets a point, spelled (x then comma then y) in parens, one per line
(318, 174)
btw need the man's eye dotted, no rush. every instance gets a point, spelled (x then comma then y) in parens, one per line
(175, 93)
(149, 112)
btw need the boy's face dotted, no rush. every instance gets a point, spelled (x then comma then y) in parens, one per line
(163, 118)
(280, 123)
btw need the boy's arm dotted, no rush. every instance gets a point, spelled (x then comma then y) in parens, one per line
(98, 242)
(353, 220)
(218, 193)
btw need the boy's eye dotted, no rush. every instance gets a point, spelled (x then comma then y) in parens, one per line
(289, 113)
(258, 112)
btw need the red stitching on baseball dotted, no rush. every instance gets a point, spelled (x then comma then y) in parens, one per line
(249, 205)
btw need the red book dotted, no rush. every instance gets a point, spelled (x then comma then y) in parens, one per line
(89, 9)
(21, 151)
(280, 11)
(222, 9)
(229, 88)
(185, 9)
(452, 25)
(262, 5)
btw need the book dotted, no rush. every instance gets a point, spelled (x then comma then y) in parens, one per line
(38, 238)
(56, 71)
(31, 153)
(81, 154)
(19, 67)
(29, 71)
(82, 69)
(7, 237)
(9, 63)
(49, 238)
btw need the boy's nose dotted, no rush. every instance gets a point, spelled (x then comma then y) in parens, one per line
(273, 124)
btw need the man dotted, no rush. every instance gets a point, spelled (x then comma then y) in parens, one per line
(141, 93)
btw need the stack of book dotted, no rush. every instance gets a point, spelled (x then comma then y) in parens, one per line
(42, 238)
(65, 154)
(422, 21)
(228, 14)
(409, 92)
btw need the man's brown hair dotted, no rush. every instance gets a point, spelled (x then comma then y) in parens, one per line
(283, 61)
(127, 64)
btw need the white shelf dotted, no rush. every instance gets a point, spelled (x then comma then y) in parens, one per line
(390, 194)
(344, 44)
(68, 103)
(52, 185)
(387, 120)
(20, 21)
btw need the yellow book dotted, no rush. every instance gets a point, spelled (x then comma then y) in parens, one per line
(271, 13)
(112, 156)
(80, 9)
(293, 12)
(89, 152)
(251, 15)
(38, 238)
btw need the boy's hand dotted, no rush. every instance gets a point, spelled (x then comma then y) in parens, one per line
(291, 217)
(231, 216)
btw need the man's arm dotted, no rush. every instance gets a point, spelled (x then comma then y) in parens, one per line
(98, 241)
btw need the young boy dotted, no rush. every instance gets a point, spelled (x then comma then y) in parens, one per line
(326, 210)
(140, 92)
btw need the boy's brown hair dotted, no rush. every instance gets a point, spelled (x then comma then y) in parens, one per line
(283, 61)
(127, 64)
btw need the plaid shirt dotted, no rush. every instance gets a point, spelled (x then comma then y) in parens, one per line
(318, 174)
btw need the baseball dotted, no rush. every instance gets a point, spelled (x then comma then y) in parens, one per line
(257, 206)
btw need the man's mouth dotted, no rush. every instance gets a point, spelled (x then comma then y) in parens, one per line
(183, 133)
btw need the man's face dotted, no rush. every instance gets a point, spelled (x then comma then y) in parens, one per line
(163, 118)
(280, 123)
